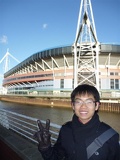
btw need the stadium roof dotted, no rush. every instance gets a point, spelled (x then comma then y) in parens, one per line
(65, 50)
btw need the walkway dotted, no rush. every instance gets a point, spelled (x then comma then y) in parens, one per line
(15, 147)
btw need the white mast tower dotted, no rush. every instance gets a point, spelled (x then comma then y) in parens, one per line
(6, 67)
(86, 48)
(6, 60)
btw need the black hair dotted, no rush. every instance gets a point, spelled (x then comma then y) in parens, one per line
(83, 89)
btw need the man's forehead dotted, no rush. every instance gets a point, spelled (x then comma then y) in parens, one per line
(84, 95)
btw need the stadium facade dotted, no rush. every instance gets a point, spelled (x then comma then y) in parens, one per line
(52, 71)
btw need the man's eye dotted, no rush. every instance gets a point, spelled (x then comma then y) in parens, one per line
(79, 102)
(89, 102)
(76, 102)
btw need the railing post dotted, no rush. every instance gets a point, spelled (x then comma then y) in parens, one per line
(4, 120)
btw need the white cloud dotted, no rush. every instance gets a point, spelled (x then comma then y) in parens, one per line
(4, 39)
(44, 25)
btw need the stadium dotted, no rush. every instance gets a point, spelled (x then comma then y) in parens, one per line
(58, 70)
(52, 71)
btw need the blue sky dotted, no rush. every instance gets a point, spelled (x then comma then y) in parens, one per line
(29, 26)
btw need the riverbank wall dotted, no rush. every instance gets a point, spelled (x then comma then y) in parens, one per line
(110, 105)
(41, 100)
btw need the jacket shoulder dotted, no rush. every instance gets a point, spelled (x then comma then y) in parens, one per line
(104, 127)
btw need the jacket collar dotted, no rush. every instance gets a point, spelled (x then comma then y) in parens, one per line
(76, 122)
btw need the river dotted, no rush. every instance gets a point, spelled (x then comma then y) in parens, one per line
(58, 115)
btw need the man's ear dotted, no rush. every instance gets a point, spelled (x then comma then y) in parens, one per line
(97, 106)
(72, 105)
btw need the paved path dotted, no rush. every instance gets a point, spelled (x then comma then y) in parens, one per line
(15, 147)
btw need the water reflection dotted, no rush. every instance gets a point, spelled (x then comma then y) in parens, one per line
(58, 115)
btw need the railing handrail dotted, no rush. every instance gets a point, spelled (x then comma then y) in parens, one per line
(25, 125)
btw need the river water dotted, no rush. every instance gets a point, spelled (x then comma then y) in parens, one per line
(58, 115)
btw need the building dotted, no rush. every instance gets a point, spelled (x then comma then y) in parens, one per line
(52, 71)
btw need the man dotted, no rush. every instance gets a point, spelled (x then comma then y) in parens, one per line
(83, 138)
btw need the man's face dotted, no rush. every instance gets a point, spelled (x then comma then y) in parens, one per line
(84, 107)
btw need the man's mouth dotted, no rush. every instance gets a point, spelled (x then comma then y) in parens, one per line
(83, 112)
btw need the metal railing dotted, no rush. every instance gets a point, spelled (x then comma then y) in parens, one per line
(25, 126)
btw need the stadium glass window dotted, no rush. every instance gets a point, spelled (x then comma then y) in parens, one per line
(116, 84)
(62, 83)
(112, 84)
(111, 73)
(99, 83)
(116, 73)
(72, 83)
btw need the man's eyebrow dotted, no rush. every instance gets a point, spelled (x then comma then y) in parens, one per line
(78, 99)
(85, 99)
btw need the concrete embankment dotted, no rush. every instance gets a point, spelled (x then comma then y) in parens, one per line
(15, 147)
(110, 105)
(35, 100)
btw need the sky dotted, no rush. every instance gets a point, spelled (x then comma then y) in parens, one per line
(30, 26)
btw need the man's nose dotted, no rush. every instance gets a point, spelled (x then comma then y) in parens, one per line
(84, 104)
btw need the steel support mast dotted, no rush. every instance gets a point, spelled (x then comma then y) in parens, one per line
(6, 61)
(86, 48)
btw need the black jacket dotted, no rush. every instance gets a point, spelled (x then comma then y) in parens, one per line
(74, 137)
